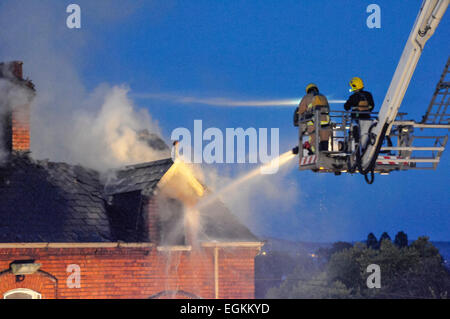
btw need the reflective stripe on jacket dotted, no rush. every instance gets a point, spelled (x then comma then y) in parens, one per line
(307, 106)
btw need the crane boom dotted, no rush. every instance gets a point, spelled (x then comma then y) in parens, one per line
(426, 23)
(357, 146)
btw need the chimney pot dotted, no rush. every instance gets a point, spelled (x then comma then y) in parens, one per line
(16, 69)
(11, 70)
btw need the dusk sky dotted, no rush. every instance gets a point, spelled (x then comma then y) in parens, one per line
(257, 50)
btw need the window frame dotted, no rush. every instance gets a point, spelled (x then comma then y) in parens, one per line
(30, 292)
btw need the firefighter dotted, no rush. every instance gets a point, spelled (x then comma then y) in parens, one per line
(360, 100)
(305, 111)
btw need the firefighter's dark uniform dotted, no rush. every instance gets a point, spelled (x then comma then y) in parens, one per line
(360, 101)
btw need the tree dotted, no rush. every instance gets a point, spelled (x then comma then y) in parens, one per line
(270, 268)
(325, 253)
(344, 267)
(420, 273)
(372, 241)
(415, 271)
(316, 288)
(401, 239)
(385, 236)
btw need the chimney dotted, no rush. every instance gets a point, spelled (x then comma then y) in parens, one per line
(16, 94)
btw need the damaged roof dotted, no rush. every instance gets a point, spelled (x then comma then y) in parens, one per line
(51, 202)
(42, 201)
(142, 177)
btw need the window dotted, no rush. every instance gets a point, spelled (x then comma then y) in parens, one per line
(22, 294)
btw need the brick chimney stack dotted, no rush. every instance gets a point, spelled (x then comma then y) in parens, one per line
(16, 110)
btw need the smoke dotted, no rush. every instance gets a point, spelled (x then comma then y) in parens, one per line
(99, 128)
(225, 102)
(105, 131)
(112, 135)
(12, 96)
(256, 200)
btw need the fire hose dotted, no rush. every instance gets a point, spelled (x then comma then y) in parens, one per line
(359, 154)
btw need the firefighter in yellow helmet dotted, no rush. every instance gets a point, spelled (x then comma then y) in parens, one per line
(360, 103)
(360, 100)
(310, 102)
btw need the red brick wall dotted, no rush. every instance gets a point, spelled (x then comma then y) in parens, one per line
(21, 128)
(150, 208)
(235, 268)
(133, 272)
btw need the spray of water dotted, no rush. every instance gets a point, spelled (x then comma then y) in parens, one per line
(192, 225)
(225, 102)
(280, 161)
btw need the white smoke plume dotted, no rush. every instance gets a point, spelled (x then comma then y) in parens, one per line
(104, 132)
(100, 129)
(11, 96)
(110, 136)
(256, 200)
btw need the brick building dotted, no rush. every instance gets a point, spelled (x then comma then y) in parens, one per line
(66, 232)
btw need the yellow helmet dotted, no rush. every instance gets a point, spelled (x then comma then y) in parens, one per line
(310, 86)
(356, 84)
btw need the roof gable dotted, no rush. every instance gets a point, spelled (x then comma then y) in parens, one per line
(142, 177)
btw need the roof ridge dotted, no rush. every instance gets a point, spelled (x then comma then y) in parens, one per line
(147, 164)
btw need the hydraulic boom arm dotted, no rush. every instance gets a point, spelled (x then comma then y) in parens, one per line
(426, 23)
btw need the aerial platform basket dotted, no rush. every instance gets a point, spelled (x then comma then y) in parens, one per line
(407, 144)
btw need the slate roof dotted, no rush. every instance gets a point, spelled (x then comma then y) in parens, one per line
(142, 177)
(51, 202)
(219, 224)
(43, 201)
